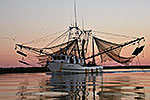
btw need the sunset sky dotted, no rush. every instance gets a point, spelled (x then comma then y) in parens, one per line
(26, 20)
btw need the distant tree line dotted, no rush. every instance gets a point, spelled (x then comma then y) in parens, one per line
(23, 70)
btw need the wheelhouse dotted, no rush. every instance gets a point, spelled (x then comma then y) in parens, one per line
(67, 59)
(60, 58)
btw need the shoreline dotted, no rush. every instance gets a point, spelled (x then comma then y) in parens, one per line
(24, 70)
(45, 69)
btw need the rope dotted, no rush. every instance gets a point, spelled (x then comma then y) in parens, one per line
(143, 54)
(56, 39)
(8, 38)
(138, 60)
(42, 38)
(114, 34)
(140, 64)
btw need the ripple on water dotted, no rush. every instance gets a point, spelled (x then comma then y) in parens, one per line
(107, 86)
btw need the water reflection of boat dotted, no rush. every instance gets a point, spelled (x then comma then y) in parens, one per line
(108, 86)
(79, 86)
(120, 87)
(94, 86)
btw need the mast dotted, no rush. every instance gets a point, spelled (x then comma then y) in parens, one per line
(83, 54)
(75, 14)
(93, 50)
(78, 48)
(72, 35)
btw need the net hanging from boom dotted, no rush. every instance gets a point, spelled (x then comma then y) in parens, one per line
(103, 45)
(68, 48)
(56, 49)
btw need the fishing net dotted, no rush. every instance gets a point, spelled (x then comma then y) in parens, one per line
(114, 54)
(64, 48)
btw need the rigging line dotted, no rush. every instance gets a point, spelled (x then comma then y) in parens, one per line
(57, 45)
(33, 50)
(138, 60)
(44, 37)
(32, 55)
(8, 38)
(65, 38)
(143, 54)
(140, 63)
(115, 34)
(56, 39)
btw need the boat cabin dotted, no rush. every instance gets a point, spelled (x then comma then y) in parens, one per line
(66, 59)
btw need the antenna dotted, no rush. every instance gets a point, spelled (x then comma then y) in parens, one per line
(75, 14)
(82, 18)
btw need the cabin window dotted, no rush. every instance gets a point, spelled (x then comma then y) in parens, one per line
(54, 57)
(59, 57)
(67, 57)
(63, 57)
(71, 60)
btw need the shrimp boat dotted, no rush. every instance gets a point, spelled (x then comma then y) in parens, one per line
(74, 55)
(78, 52)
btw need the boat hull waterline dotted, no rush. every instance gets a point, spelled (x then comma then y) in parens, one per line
(74, 68)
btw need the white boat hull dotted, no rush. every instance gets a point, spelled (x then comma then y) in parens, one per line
(73, 68)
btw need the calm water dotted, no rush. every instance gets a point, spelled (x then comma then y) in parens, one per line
(48, 86)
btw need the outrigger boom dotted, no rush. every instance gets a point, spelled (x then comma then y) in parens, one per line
(113, 48)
